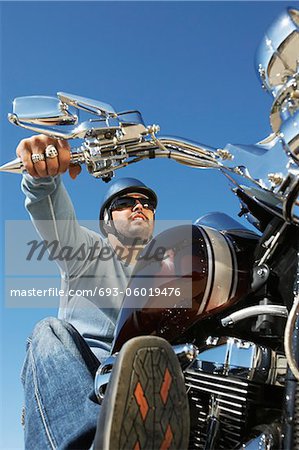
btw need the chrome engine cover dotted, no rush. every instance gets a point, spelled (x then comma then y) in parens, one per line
(233, 382)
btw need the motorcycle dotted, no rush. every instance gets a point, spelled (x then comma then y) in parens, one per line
(234, 324)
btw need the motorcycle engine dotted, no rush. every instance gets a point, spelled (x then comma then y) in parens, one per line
(233, 387)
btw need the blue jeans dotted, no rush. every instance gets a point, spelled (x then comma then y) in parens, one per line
(61, 409)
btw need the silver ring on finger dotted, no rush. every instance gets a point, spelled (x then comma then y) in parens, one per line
(37, 157)
(51, 152)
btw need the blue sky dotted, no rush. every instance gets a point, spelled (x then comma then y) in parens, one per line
(188, 66)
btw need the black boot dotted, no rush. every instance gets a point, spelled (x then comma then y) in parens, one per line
(145, 406)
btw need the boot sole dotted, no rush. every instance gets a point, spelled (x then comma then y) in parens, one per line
(149, 405)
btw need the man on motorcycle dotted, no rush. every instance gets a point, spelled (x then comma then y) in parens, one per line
(145, 406)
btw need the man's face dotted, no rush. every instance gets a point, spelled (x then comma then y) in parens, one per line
(135, 221)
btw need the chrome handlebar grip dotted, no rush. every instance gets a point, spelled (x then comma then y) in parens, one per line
(16, 165)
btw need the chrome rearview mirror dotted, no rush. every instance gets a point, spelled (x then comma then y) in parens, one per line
(45, 115)
(42, 110)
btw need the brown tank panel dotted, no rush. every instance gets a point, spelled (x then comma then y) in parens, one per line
(210, 269)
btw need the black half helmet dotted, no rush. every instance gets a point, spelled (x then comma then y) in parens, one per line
(120, 188)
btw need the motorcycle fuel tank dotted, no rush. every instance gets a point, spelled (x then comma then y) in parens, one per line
(200, 271)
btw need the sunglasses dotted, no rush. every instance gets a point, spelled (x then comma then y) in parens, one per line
(129, 202)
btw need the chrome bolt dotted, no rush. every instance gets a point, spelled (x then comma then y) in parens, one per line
(275, 178)
(224, 154)
(261, 272)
